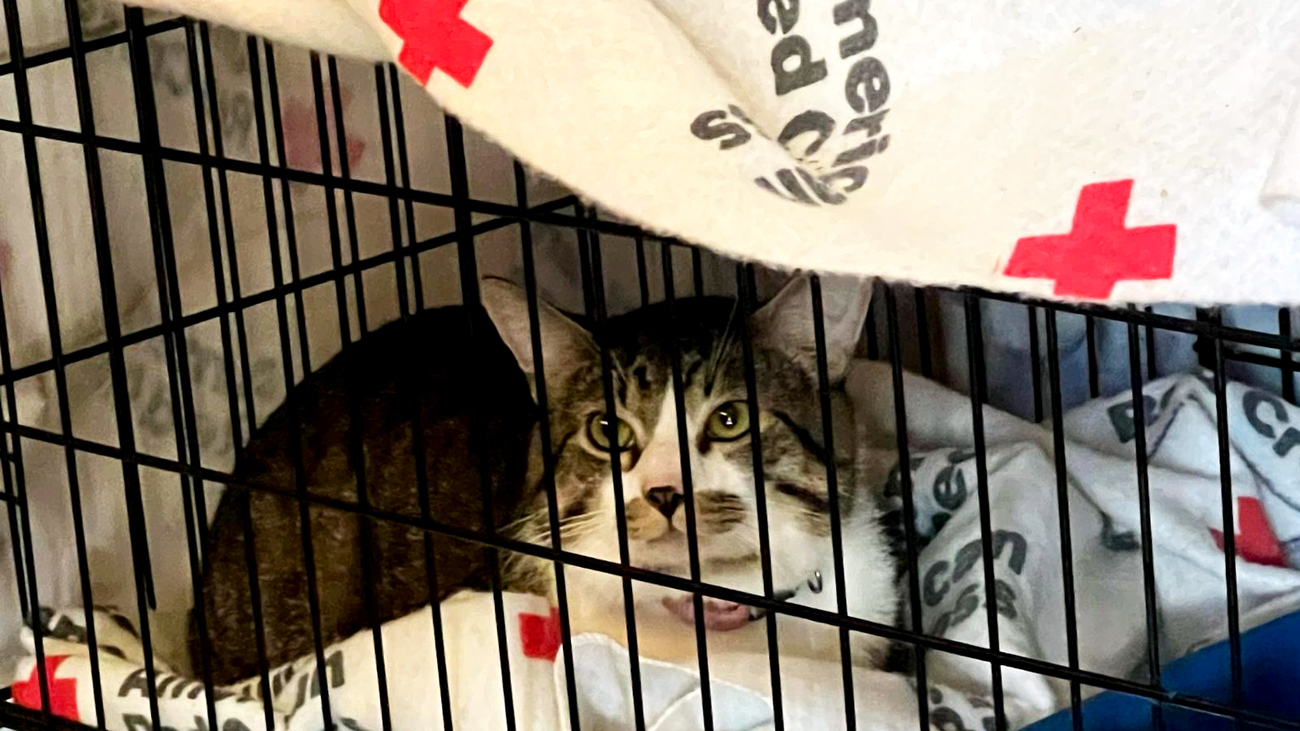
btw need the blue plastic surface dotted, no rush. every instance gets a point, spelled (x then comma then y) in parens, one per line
(1270, 660)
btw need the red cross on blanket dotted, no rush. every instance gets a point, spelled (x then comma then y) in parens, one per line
(1098, 251)
(435, 36)
(63, 692)
(1255, 541)
(539, 635)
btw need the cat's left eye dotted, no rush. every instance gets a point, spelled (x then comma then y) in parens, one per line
(728, 422)
(599, 431)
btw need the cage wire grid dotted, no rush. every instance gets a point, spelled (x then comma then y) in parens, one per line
(1217, 344)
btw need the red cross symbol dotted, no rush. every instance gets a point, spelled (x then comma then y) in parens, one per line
(63, 693)
(1255, 542)
(539, 635)
(1099, 251)
(435, 36)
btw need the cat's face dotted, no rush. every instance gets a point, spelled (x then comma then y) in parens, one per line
(642, 449)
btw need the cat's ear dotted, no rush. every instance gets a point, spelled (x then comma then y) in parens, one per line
(785, 323)
(566, 345)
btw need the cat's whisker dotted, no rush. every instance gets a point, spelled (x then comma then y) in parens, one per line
(540, 524)
(748, 539)
(517, 524)
(723, 351)
(579, 525)
(590, 516)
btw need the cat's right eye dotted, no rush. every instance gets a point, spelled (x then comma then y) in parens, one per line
(599, 430)
(728, 422)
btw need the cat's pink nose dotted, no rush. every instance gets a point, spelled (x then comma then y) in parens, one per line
(665, 498)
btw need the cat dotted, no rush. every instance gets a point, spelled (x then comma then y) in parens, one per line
(497, 387)
(719, 426)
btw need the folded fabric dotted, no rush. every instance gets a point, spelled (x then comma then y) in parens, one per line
(1028, 593)
(1136, 150)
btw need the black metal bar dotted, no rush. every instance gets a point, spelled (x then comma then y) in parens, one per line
(923, 331)
(1229, 522)
(697, 270)
(15, 484)
(349, 206)
(1036, 362)
(290, 405)
(975, 354)
(642, 277)
(1248, 356)
(185, 429)
(833, 493)
(909, 508)
(85, 112)
(1063, 510)
(469, 290)
(227, 223)
(399, 124)
(286, 203)
(1288, 370)
(1144, 517)
(159, 213)
(255, 602)
(1208, 329)
(164, 270)
(1151, 349)
(228, 228)
(593, 284)
(184, 416)
(584, 265)
(746, 296)
(14, 504)
(548, 458)
(407, 380)
(1094, 371)
(1204, 343)
(688, 489)
(199, 611)
(356, 425)
(872, 337)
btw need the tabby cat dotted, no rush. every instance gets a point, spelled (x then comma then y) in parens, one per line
(422, 369)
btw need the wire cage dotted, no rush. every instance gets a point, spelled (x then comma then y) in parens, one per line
(950, 335)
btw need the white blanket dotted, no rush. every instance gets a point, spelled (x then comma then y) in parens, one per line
(1187, 523)
(1140, 150)
(670, 693)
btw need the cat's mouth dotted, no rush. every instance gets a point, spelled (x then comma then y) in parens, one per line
(719, 615)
